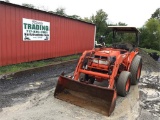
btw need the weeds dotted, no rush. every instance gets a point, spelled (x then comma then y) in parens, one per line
(40, 63)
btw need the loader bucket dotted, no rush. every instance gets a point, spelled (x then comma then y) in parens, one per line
(92, 97)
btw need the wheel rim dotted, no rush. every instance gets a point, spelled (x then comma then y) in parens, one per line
(139, 72)
(127, 85)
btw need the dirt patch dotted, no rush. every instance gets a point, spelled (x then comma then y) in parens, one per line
(18, 88)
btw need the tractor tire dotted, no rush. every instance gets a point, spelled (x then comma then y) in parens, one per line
(85, 78)
(82, 77)
(91, 80)
(135, 69)
(123, 83)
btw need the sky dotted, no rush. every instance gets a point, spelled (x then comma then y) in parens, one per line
(132, 12)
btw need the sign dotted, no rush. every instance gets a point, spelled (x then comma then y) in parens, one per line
(35, 30)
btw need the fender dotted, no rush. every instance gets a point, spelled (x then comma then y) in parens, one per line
(131, 57)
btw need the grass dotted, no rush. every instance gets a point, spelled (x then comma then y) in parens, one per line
(29, 65)
(150, 51)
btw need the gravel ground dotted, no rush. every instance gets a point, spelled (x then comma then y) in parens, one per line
(13, 89)
(29, 96)
(149, 89)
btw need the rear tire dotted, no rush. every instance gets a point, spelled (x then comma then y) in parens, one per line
(123, 83)
(135, 69)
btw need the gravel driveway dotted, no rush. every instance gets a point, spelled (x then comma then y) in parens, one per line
(29, 96)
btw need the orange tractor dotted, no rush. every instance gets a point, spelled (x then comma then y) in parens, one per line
(101, 74)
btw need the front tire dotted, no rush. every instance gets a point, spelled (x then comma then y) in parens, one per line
(91, 80)
(123, 83)
(82, 77)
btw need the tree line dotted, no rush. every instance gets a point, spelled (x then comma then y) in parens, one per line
(149, 36)
(150, 31)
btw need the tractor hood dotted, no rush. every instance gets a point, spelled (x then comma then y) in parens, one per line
(110, 52)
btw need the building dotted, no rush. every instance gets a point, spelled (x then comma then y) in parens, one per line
(29, 34)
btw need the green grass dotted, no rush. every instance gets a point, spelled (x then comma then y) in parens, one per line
(150, 51)
(29, 65)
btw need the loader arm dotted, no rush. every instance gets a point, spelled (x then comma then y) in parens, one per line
(115, 71)
(80, 63)
(130, 58)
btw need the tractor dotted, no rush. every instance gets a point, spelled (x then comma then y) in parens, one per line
(101, 74)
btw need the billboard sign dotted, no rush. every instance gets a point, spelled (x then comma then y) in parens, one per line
(35, 30)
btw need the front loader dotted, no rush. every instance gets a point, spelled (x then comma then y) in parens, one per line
(101, 74)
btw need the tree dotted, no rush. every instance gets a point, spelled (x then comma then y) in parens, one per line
(74, 17)
(150, 34)
(87, 19)
(28, 5)
(144, 41)
(60, 11)
(153, 27)
(100, 21)
(122, 24)
(51, 12)
(156, 14)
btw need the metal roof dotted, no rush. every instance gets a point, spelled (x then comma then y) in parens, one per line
(12, 4)
(124, 28)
